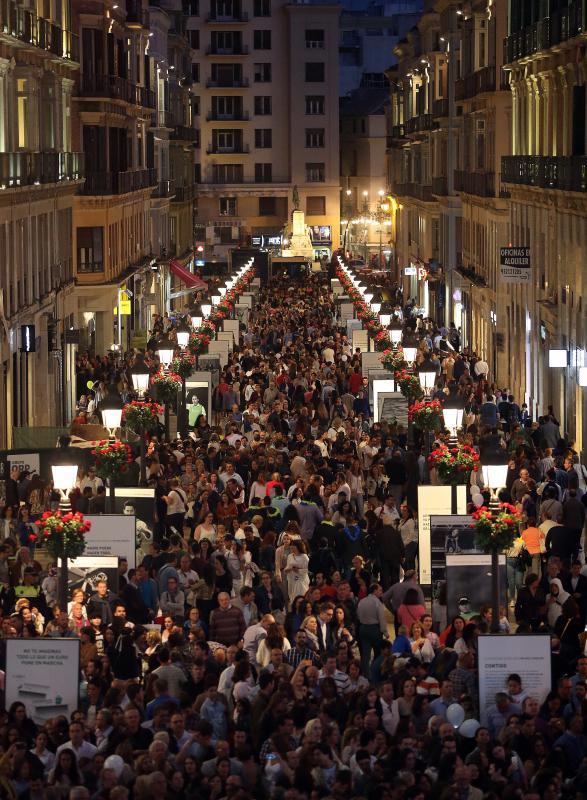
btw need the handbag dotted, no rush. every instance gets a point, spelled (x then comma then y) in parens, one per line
(523, 560)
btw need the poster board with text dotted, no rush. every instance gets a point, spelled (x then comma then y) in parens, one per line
(112, 535)
(528, 655)
(470, 576)
(44, 675)
(232, 326)
(220, 349)
(360, 340)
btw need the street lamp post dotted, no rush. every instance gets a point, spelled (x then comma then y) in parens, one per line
(165, 351)
(453, 410)
(64, 475)
(494, 469)
(111, 410)
(141, 374)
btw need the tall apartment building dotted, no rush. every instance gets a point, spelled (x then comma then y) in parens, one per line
(268, 119)
(546, 176)
(450, 117)
(40, 170)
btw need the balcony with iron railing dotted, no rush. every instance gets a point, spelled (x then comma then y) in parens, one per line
(235, 50)
(440, 107)
(236, 116)
(218, 150)
(164, 189)
(439, 186)
(560, 27)
(117, 88)
(184, 133)
(420, 123)
(136, 15)
(31, 169)
(113, 183)
(479, 183)
(23, 24)
(565, 173)
(183, 194)
(227, 83)
(481, 81)
(230, 19)
(413, 189)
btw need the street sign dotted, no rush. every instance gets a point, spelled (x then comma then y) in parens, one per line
(124, 307)
(514, 264)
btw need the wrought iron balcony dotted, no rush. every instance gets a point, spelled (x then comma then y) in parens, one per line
(547, 32)
(24, 24)
(416, 190)
(423, 122)
(30, 169)
(565, 173)
(184, 133)
(184, 194)
(236, 116)
(164, 189)
(440, 107)
(235, 50)
(439, 186)
(117, 88)
(481, 184)
(214, 149)
(227, 83)
(106, 183)
(221, 19)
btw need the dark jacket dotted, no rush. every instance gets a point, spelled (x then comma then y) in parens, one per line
(265, 604)
(390, 545)
(560, 542)
(529, 607)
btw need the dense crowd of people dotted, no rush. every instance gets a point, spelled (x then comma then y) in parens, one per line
(273, 639)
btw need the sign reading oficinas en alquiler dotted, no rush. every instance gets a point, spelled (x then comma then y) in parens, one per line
(514, 264)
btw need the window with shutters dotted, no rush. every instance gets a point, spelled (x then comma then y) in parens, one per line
(315, 173)
(314, 137)
(227, 207)
(314, 104)
(263, 173)
(262, 73)
(262, 106)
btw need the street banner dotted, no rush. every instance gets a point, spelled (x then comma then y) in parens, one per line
(435, 500)
(514, 264)
(112, 535)
(44, 675)
(470, 577)
(527, 655)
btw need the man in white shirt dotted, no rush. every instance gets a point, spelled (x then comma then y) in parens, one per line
(77, 743)
(389, 708)
(92, 481)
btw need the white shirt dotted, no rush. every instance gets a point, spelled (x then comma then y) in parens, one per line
(93, 483)
(390, 716)
(85, 750)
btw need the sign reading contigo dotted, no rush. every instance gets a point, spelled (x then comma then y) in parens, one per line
(514, 264)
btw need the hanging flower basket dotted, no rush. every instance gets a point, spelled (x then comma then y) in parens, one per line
(426, 415)
(225, 306)
(393, 360)
(184, 364)
(167, 386)
(112, 459)
(382, 341)
(409, 385)
(207, 327)
(198, 343)
(140, 417)
(63, 534)
(496, 531)
(453, 465)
